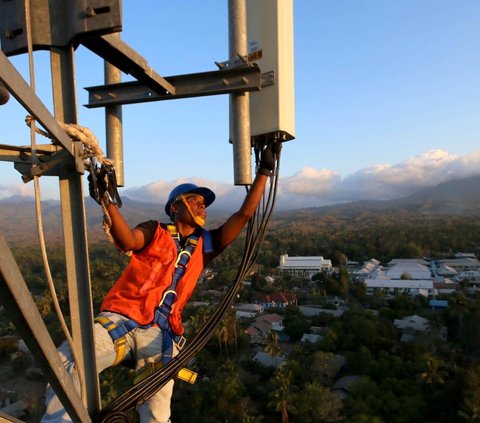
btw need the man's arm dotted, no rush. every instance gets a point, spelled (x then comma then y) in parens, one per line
(235, 223)
(127, 239)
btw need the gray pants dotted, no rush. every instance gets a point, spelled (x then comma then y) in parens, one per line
(144, 346)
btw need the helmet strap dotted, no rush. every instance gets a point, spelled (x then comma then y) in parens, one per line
(200, 221)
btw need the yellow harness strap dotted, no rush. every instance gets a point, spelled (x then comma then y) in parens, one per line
(119, 343)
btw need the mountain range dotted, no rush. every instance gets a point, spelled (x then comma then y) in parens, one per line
(456, 197)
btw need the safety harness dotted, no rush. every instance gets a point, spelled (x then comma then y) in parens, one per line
(119, 330)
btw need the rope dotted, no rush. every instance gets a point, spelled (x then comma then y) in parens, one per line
(92, 152)
(38, 211)
(76, 132)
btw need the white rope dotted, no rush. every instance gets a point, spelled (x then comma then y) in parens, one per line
(92, 151)
(76, 132)
(38, 211)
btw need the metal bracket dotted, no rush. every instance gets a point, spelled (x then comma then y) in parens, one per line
(48, 167)
(241, 60)
(224, 81)
(56, 23)
(47, 157)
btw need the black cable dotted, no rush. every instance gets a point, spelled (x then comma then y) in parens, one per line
(148, 387)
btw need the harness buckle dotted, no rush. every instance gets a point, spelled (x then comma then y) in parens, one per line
(179, 257)
(180, 342)
(169, 291)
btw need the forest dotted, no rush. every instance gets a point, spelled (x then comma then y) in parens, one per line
(426, 380)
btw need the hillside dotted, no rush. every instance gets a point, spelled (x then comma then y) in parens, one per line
(456, 198)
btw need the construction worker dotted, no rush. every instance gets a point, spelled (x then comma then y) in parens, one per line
(140, 318)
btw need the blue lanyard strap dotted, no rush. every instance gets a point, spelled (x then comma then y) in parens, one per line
(163, 310)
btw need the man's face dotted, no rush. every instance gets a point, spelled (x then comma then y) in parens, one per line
(191, 206)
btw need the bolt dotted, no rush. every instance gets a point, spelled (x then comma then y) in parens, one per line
(89, 12)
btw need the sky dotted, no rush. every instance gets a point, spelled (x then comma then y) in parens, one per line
(387, 101)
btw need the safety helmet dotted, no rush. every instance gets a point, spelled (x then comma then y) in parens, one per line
(207, 194)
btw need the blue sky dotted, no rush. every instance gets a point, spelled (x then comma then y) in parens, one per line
(387, 98)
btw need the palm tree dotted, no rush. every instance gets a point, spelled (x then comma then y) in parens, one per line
(272, 347)
(434, 372)
(282, 398)
(470, 407)
(226, 331)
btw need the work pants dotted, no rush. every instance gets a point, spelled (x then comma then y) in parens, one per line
(144, 346)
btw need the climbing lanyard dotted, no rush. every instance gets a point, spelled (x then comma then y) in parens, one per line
(164, 308)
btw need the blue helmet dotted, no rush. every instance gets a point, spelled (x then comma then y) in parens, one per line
(207, 194)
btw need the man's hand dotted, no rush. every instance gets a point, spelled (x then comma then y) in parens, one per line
(97, 186)
(267, 159)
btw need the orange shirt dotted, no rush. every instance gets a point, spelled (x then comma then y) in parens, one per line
(140, 288)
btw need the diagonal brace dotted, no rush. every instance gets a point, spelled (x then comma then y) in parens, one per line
(25, 95)
(21, 308)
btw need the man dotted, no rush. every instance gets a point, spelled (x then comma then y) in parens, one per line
(140, 317)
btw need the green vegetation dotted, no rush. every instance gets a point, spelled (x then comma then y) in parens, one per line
(426, 380)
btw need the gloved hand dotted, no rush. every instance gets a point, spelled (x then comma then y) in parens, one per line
(267, 160)
(97, 186)
(102, 185)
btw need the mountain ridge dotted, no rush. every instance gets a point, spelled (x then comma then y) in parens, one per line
(457, 197)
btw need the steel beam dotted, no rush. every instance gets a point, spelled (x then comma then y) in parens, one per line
(56, 23)
(112, 49)
(223, 81)
(74, 232)
(21, 308)
(23, 154)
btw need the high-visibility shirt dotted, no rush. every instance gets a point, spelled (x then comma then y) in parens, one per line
(149, 273)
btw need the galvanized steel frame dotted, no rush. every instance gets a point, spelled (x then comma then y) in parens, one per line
(63, 159)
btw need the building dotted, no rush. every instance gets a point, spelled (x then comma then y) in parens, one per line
(260, 328)
(398, 286)
(267, 360)
(461, 264)
(412, 326)
(472, 276)
(248, 311)
(304, 266)
(275, 320)
(366, 270)
(408, 269)
(277, 299)
(312, 338)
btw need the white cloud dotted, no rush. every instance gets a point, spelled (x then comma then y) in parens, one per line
(227, 196)
(310, 181)
(21, 190)
(311, 187)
